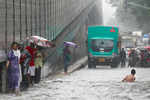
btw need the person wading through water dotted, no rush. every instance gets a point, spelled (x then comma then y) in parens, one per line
(131, 77)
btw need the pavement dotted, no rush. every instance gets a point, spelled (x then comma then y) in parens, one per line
(81, 63)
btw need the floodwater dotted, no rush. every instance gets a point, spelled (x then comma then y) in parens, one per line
(90, 84)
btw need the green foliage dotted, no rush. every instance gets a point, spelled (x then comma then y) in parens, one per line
(140, 9)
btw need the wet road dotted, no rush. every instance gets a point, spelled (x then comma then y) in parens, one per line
(90, 84)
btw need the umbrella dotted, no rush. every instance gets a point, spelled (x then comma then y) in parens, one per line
(40, 41)
(71, 44)
(147, 47)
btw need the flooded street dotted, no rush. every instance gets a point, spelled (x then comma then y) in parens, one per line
(52, 36)
(90, 84)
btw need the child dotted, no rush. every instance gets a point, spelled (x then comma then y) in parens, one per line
(131, 77)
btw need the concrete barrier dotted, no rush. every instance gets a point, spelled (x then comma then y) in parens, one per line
(81, 63)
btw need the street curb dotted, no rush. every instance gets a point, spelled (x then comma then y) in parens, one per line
(72, 68)
(78, 65)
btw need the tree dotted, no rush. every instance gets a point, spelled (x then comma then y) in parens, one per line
(135, 13)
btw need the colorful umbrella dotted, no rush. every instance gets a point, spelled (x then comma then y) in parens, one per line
(71, 44)
(40, 41)
(147, 47)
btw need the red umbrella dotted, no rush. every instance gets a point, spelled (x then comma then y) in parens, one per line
(147, 47)
(40, 41)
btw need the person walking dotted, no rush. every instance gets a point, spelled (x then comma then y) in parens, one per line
(123, 57)
(66, 57)
(38, 64)
(13, 69)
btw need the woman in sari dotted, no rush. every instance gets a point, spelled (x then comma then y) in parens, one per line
(13, 69)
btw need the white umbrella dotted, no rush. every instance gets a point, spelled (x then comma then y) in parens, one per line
(40, 41)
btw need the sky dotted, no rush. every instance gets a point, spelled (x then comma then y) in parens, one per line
(108, 12)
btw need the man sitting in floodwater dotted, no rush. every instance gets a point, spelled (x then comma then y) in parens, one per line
(130, 78)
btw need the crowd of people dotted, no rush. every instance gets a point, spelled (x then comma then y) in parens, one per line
(23, 66)
(136, 57)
